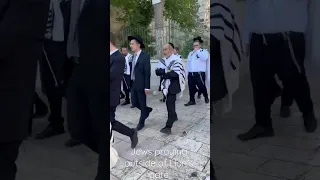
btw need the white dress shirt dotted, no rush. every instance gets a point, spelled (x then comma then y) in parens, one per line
(128, 58)
(274, 16)
(111, 52)
(197, 61)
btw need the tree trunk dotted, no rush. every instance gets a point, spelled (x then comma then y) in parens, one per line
(158, 10)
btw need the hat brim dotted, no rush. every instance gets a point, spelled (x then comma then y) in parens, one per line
(134, 38)
(197, 39)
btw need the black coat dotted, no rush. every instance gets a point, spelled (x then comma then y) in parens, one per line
(142, 72)
(174, 87)
(22, 28)
(117, 62)
(94, 27)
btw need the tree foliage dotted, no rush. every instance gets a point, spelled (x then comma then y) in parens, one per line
(140, 12)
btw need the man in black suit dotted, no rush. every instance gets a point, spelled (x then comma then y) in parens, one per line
(140, 77)
(88, 90)
(172, 64)
(22, 27)
(117, 63)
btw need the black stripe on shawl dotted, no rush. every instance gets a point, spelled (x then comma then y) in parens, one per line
(233, 18)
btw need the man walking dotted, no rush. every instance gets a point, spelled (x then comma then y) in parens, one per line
(127, 76)
(277, 46)
(88, 89)
(53, 63)
(172, 71)
(197, 68)
(140, 78)
(117, 64)
(22, 27)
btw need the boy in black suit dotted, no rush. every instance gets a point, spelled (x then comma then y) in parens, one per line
(140, 77)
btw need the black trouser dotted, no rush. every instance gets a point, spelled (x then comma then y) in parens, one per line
(219, 90)
(88, 122)
(139, 100)
(52, 76)
(9, 152)
(118, 126)
(126, 85)
(286, 98)
(37, 102)
(286, 95)
(196, 80)
(161, 79)
(271, 57)
(171, 108)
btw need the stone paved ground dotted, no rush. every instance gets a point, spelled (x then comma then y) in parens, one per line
(188, 153)
(176, 156)
(291, 155)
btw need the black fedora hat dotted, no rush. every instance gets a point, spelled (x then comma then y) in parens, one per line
(198, 39)
(137, 38)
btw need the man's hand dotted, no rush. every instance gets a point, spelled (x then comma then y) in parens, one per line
(146, 91)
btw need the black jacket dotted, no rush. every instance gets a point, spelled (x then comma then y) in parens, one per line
(142, 72)
(22, 28)
(174, 87)
(94, 26)
(117, 62)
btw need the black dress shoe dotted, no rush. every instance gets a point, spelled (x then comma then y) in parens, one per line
(50, 131)
(134, 139)
(72, 143)
(206, 100)
(163, 100)
(132, 107)
(310, 122)
(190, 103)
(166, 130)
(122, 96)
(285, 112)
(140, 126)
(256, 132)
(125, 103)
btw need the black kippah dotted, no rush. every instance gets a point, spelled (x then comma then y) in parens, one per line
(171, 45)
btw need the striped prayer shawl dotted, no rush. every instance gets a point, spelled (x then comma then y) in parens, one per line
(176, 66)
(129, 59)
(111, 135)
(223, 27)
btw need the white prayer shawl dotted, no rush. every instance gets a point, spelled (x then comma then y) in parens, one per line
(173, 63)
(225, 29)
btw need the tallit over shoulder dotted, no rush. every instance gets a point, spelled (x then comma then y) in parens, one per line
(223, 26)
(175, 65)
